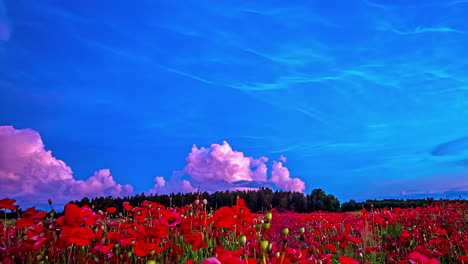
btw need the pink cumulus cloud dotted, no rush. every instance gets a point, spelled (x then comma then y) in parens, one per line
(221, 163)
(281, 177)
(174, 185)
(30, 174)
(282, 158)
(219, 167)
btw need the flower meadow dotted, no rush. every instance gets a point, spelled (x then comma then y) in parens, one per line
(150, 233)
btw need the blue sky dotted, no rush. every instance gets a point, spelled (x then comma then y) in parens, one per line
(357, 95)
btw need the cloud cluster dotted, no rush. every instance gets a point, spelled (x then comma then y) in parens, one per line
(30, 174)
(222, 168)
(221, 163)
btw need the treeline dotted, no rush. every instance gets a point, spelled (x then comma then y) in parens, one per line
(261, 200)
(352, 205)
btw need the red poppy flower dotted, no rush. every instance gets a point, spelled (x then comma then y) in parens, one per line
(127, 206)
(86, 211)
(196, 240)
(111, 210)
(156, 231)
(29, 213)
(330, 247)
(418, 257)
(40, 215)
(354, 239)
(253, 261)
(129, 241)
(224, 217)
(441, 232)
(211, 261)
(227, 259)
(171, 219)
(150, 204)
(146, 249)
(73, 215)
(80, 236)
(91, 220)
(24, 222)
(8, 204)
(35, 230)
(189, 262)
(369, 249)
(34, 243)
(347, 260)
(219, 250)
(113, 237)
(102, 248)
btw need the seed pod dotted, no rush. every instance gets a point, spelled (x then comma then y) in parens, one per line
(302, 229)
(264, 244)
(268, 216)
(242, 239)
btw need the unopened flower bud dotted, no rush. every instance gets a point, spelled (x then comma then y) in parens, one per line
(268, 216)
(285, 231)
(242, 239)
(264, 244)
(266, 225)
(302, 229)
(205, 201)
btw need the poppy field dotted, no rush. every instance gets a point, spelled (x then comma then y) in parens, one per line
(151, 233)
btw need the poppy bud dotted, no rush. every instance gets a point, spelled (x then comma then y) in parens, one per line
(266, 225)
(50, 201)
(258, 227)
(151, 261)
(302, 229)
(242, 239)
(277, 254)
(268, 216)
(196, 202)
(285, 231)
(205, 201)
(264, 244)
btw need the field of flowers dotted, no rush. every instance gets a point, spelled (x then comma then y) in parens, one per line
(150, 233)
